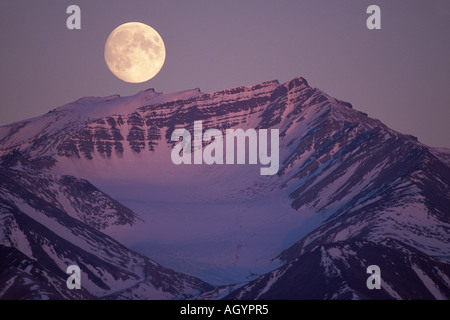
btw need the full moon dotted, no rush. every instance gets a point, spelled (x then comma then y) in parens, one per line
(135, 52)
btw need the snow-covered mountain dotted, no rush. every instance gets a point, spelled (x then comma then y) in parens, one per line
(350, 193)
(49, 222)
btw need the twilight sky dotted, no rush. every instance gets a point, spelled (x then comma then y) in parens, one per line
(399, 74)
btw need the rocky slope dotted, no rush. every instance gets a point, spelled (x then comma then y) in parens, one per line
(350, 192)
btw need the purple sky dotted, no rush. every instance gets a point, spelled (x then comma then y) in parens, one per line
(399, 74)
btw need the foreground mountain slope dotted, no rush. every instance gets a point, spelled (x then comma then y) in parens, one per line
(23, 278)
(338, 271)
(44, 239)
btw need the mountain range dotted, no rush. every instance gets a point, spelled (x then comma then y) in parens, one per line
(92, 183)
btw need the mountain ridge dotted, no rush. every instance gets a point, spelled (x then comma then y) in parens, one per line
(344, 180)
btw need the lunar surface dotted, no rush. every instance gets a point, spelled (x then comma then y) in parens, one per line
(134, 52)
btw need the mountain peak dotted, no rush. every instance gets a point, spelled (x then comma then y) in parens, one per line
(296, 82)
